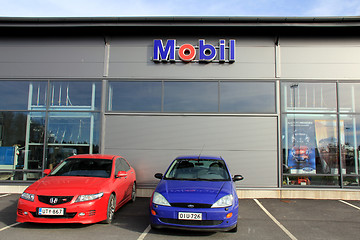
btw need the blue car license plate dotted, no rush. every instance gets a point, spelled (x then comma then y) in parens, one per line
(189, 216)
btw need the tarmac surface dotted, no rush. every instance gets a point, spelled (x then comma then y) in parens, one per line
(258, 219)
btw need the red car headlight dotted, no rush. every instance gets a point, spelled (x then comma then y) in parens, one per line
(83, 198)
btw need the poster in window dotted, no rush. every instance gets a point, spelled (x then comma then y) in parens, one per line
(301, 155)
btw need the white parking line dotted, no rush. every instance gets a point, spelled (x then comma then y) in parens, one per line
(146, 231)
(5, 195)
(10, 226)
(275, 221)
(358, 208)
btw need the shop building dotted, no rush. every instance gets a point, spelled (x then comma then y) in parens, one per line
(278, 98)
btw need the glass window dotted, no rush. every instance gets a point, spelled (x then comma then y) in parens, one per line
(247, 97)
(135, 96)
(71, 133)
(349, 97)
(20, 149)
(350, 143)
(125, 165)
(15, 95)
(75, 96)
(309, 97)
(191, 96)
(310, 147)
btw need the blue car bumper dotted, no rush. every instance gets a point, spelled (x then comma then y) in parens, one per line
(213, 219)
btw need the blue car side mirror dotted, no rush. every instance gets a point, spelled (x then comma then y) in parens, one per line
(238, 178)
(158, 175)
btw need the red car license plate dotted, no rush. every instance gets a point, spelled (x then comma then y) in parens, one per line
(51, 211)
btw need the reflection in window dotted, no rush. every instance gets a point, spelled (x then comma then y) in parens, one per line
(70, 133)
(310, 147)
(247, 97)
(75, 95)
(350, 147)
(135, 96)
(20, 149)
(310, 97)
(191, 96)
(349, 97)
(14, 95)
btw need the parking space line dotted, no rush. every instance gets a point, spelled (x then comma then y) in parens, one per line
(275, 221)
(10, 226)
(358, 208)
(8, 194)
(146, 231)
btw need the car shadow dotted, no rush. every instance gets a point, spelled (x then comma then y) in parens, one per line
(182, 233)
(133, 216)
(52, 225)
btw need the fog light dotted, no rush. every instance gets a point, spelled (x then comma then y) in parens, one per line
(26, 213)
(81, 214)
(229, 215)
(153, 212)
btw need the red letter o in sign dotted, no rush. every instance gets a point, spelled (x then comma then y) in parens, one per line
(187, 52)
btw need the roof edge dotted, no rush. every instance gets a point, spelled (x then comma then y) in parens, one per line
(179, 21)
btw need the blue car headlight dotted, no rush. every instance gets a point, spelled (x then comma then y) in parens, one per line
(160, 200)
(28, 196)
(225, 201)
(83, 198)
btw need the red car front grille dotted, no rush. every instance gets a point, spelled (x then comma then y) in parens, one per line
(55, 200)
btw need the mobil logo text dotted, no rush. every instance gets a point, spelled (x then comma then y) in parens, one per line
(203, 52)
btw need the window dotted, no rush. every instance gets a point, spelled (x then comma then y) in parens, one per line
(72, 96)
(310, 149)
(308, 97)
(191, 97)
(27, 143)
(247, 97)
(349, 97)
(134, 96)
(14, 95)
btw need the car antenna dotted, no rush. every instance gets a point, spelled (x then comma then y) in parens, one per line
(201, 151)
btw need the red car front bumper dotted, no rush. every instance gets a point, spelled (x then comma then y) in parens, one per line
(81, 212)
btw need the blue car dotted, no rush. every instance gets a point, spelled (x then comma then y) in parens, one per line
(196, 193)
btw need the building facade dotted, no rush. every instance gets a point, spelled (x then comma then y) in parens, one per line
(277, 98)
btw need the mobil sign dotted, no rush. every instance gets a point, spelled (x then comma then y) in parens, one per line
(203, 52)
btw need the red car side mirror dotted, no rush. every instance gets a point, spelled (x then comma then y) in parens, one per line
(121, 174)
(47, 171)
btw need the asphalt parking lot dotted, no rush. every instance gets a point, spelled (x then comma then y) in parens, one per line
(258, 219)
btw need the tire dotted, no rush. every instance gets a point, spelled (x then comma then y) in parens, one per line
(234, 230)
(110, 209)
(133, 193)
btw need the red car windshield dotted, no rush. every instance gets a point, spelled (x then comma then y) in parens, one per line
(84, 167)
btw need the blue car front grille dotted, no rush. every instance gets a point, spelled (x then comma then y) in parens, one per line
(191, 222)
(191, 205)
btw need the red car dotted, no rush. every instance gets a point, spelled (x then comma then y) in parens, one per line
(81, 189)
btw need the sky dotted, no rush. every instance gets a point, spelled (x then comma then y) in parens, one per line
(141, 8)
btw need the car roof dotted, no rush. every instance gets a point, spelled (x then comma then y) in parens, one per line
(95, 156)
(207, 157)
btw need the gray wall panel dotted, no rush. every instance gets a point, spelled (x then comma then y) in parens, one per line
(248, 144)
(48, 57)
(320, 58)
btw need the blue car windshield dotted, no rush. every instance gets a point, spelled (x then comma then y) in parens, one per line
(198, 170)
(83, 167)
